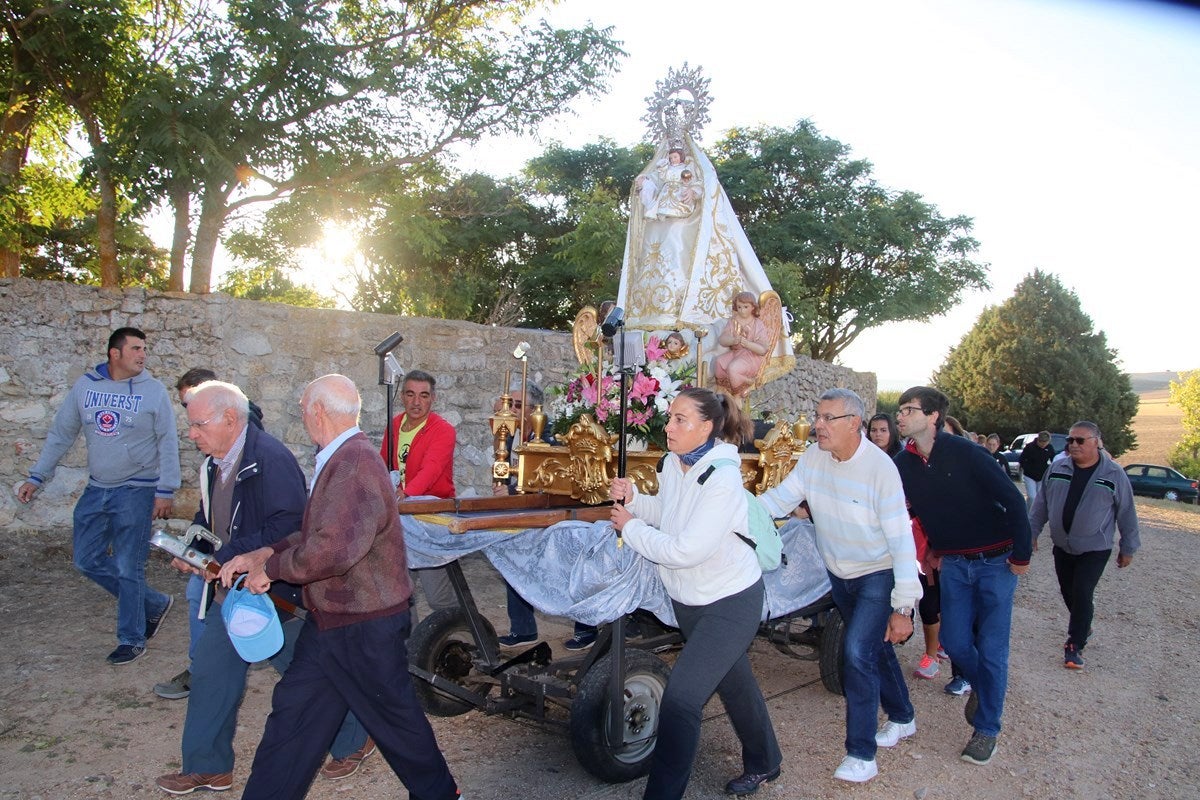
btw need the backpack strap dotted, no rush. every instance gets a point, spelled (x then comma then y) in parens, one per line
(720, 462)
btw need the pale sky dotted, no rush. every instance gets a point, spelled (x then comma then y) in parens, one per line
(1069, 131)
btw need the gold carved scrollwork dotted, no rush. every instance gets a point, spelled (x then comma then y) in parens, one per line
(644, 477)
(587, 468)
(585, 465)
(777, 452)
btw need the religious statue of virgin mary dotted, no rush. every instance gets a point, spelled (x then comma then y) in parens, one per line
(686, 255)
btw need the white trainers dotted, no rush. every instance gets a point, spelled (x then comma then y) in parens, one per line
(855, 770)
(892, 732)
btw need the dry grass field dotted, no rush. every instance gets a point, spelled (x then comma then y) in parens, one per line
(1158, 425)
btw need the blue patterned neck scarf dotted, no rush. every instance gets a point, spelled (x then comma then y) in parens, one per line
(691, 458)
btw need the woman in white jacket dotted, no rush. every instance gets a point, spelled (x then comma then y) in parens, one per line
(715, 585)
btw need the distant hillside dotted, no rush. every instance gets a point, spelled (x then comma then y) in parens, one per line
(1150, 381)
(1158, 425)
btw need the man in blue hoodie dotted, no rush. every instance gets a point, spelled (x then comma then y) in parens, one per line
(133, 472)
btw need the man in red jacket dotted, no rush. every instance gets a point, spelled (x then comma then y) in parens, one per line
(423, 465)
(423, 458)
(351, 652)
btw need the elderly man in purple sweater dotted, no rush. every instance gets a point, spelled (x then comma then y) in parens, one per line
(349, 557)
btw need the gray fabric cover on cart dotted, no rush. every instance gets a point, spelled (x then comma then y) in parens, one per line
(576, 570)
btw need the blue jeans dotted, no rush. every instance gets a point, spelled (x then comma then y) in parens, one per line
(1031, 488)
(521, 620)
(218, 683)
(119, 519)
(977, 602)
(872, 673)
(194, 594)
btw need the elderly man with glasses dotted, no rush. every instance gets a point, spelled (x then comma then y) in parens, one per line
(1085, 498)
(865, 539)
(974, 519)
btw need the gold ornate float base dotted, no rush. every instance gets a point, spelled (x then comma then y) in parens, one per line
(583, 466)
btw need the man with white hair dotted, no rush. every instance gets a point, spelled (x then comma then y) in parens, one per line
(349, 556)
(865, 538)
(251, 494)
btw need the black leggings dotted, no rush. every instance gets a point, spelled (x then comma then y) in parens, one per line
(931, 600)
(931, 606)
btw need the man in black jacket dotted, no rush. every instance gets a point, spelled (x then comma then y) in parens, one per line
(1034, 461)
(979, 538)
(180, 686)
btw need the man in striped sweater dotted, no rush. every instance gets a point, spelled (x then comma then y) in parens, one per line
(865, 538)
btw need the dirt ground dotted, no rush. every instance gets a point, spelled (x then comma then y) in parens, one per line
(72, 726)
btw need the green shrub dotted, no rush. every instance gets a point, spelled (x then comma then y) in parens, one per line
(1185, 459)
(887, 403)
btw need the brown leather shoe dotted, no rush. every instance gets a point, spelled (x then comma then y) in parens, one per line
(178, 783)
(338, 768)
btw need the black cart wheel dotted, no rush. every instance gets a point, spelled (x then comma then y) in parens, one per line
(442, 644)
(645, 681)
(833, 641)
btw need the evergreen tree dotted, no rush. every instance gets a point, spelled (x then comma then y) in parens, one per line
(1034, 362)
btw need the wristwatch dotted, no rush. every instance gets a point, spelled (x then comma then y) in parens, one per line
(904, 611)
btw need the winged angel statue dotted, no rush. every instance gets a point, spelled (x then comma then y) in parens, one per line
(686, 255)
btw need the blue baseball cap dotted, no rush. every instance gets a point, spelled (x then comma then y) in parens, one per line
(252, 623)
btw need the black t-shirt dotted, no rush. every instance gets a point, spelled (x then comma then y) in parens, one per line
(1079, 482)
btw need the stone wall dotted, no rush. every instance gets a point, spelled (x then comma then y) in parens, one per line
(54, 331)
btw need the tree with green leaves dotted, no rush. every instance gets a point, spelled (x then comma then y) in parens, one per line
(454, 251)
(844, 253)
(275, 98)
(66, 251)
(87, 56)
(264, 282)
(587, 191)
(1185, 393)
(1035, 363)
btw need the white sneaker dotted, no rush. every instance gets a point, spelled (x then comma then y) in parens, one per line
(892, 732)
(855, 770)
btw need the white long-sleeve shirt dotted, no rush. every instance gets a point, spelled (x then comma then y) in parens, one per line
(687, 530)
(859, 513)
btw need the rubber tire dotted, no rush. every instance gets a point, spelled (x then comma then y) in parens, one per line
(829, 657)
(646, 678)
(442, 644)
(1171, 495)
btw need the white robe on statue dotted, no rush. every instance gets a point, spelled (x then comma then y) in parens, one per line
(681, 270)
